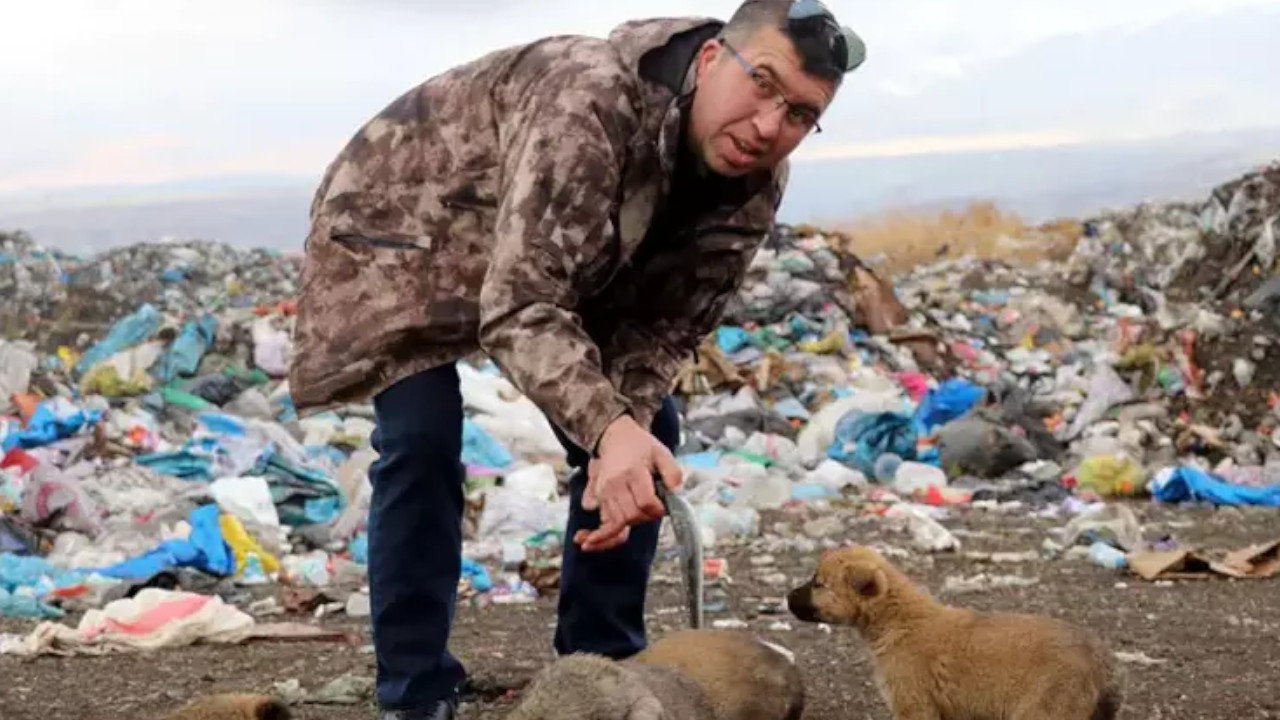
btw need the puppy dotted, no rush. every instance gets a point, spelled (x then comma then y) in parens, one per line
(743, 677)
(232, 706)
(583, 686)
(688, 675)
(935, 662)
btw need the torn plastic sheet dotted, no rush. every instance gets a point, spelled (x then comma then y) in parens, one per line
(204, 549)
(183, 357)
(54, 419)
(127, 332)
(863, 437)
(1191, 484)
(150, 620)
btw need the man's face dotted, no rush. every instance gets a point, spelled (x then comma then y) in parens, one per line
(737, 123)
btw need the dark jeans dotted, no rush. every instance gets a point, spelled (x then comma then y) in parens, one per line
(415, 547)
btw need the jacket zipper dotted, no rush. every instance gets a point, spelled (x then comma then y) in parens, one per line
(351, 240)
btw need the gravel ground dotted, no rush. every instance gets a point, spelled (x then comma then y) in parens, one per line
(1207, 646)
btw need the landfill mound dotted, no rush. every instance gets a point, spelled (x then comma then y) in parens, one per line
(150, 443)
(52, 297)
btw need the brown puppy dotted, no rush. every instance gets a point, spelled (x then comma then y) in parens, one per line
(231, 706)
(687, 675)
(742, 677)
(935, 662)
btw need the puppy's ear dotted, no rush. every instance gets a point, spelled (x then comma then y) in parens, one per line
(868, 582)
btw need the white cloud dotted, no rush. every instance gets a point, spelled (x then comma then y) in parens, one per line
(113, 90)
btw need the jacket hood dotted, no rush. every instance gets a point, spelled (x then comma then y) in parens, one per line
(636, 38)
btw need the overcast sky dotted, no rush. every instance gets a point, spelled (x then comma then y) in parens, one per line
(142, 91)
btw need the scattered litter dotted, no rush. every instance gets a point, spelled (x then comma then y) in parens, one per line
(348, 689)
(1137, 658)
(152, 460)
(983, 582)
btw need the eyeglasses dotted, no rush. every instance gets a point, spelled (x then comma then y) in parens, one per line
(811, 18)
(800, 117)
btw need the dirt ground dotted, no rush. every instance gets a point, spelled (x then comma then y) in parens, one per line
(1207, 648)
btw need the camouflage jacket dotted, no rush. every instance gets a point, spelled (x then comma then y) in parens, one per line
(499, 207)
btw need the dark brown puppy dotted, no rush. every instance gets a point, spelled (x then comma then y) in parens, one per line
(687, 675)
(935, 662)
(231, 706)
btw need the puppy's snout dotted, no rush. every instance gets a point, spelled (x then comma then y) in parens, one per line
(800, 603)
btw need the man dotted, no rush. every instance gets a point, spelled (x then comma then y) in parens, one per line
(580, 210)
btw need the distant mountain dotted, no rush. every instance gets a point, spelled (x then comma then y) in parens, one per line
(1038, 184)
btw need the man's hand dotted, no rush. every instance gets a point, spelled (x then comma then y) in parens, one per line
(620, 483)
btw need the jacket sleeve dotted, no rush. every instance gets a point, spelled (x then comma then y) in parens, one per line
(563, 153)
(647, 357)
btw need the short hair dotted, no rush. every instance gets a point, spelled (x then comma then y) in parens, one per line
(753, 15)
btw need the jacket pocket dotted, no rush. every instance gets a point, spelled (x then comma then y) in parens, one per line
(354, 241)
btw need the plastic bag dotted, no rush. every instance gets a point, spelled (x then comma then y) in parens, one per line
(1191, 484)
(480, 449)
(1106, 390)
(1116, 475)
(732, 339)
(948, 401)
(183, 356)
(863, 437)
(272, 348)
(126, 333)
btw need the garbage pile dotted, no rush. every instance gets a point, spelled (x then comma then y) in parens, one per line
(161, 450)
(54, 297)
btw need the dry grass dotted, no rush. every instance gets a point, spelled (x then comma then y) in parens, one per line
(896, 240)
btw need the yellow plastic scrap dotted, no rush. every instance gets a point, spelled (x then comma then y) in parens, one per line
(1110, 475)
(243, 545)
(1144, 358)
(832, 343)
(104, 379)
(68, 357)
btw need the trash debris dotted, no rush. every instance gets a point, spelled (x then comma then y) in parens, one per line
(983, 582)
(348, 689)
(1255, 561)
(149, 444)
(1137, 658)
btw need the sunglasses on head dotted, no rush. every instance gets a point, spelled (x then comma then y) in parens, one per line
(813, 19)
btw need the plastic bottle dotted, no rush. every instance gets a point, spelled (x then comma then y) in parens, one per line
(1107, 556)
(914, 477)
(886, 467)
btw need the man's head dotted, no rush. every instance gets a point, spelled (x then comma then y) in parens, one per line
(765, 80)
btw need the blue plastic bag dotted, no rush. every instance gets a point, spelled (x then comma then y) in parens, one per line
(204, 549)
(479, 448)
(53, 420)
(1191, 484)
(732, 338)
(182, 359)
(127, 332)
(183, 464)
(863, 437)
(360, 548)
(479, 576)
(948, 401)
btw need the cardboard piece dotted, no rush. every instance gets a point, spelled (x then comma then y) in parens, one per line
(1253, 562)
(1170, 565)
